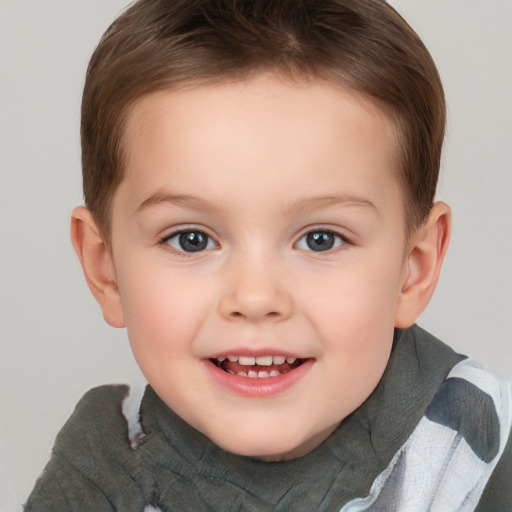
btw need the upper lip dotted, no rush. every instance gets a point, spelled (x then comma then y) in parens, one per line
(256, 353)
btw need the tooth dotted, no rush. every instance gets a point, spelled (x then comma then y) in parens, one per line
(246, 361)
(242, 374)
(279, 359)
(252, 374)
(233, 359)
(264, 360)
(274, 373)
(291, 360)
(262, 375)
(230, 371)
(221, 358)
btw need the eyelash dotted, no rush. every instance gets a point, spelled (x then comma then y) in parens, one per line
(339, 241)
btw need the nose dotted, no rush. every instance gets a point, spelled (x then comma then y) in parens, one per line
(256, 291)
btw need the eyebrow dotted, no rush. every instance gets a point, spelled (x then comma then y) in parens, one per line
(182, 200)
(308, 204)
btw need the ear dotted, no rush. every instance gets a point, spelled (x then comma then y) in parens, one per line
(97, 264)
(426, 252)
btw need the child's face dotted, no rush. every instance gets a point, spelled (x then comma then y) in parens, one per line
(260, 220)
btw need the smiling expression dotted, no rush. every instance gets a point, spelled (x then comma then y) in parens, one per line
(258, 243)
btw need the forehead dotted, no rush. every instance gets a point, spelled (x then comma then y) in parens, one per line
(227, 131)
(265, 96)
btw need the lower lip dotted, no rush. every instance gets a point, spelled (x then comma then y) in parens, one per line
(256, 387)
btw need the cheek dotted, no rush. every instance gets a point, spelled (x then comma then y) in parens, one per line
(355, 316)
(357, 333)
(357, 297)
(162, 311)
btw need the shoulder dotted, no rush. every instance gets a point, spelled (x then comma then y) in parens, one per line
(459, 454)
(92, 466)
(466, 434)
(498, 491)
(477, 405)
(97, 414)
(103, 400)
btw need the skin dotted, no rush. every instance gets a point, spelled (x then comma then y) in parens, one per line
(255, 166)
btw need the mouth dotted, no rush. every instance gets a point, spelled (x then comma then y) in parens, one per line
(260, 367)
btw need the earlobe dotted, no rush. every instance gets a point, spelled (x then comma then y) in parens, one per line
(426, 253)
(97, 264)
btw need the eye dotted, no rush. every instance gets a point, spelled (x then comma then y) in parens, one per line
(320, 241)
(190, 241)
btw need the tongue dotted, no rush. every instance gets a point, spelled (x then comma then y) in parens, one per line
(237, 367)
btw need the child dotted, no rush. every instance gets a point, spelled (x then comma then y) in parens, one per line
(259, 180)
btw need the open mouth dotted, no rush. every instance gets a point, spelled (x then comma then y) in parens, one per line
(257, 367)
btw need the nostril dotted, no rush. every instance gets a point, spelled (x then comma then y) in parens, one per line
(255, 305)
(250, 315)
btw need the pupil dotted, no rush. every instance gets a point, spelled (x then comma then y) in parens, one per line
(320, 241)
(193, 241)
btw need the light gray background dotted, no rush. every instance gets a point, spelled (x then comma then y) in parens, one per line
(54, 343)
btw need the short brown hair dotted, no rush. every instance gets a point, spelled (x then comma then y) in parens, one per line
(361, 44)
